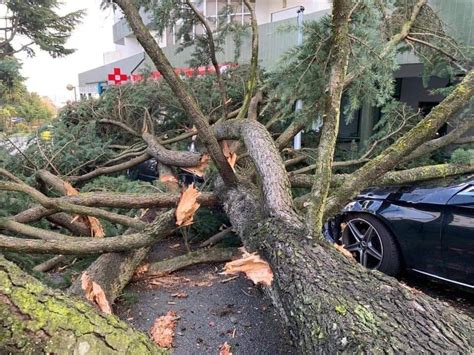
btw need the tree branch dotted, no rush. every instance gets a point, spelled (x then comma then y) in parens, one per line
(452, 58)
(392, 156)
(121, 125)
(401, 177)
(164, 225)
(339, 59)
(132, 200)
(252, 79)
(188, 103)
(212, 53)
(170, 157)
(430, 146)
(213, 255)
(59, 204)
(33, 232)
(110, 169)
(396, 39)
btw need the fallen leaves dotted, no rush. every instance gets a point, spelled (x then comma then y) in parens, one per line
(167, 281)
(141, 271)
(187, 206)
(172, 281)
(201, 168)
(94, 293)
(180, 295)
(254, 267)
(162, 331)
(93, 223)
(225, 349)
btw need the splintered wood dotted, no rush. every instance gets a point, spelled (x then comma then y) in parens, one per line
(187, 206)
(201, 168)
(93, 223)
(162, 331)
(94, 293)
(254, 267)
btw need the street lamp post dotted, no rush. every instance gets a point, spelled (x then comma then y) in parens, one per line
(71, 87)
(299, 102)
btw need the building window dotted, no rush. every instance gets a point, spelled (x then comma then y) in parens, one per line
(215, 12)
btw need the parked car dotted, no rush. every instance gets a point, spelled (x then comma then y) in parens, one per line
(426, 229)
(148, 171)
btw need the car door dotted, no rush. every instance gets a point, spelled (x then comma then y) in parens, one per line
(458, 237)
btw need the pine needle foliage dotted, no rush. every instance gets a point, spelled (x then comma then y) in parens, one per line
(39, 25)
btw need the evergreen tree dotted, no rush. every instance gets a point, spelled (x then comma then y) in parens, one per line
(37, 23)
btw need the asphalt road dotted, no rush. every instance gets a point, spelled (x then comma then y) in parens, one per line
(213, 312)
(237, 312)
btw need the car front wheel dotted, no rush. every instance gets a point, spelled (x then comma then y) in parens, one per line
(371, 243)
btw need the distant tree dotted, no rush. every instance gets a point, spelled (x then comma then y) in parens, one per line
(36, 22)
(33, 107)
(11, 81)
(15, 100)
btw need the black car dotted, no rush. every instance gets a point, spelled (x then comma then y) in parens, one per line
(148, 171)
(426, 229)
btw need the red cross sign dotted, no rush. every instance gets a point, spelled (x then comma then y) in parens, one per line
(117, 77)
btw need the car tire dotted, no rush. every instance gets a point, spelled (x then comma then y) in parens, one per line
(377, 248)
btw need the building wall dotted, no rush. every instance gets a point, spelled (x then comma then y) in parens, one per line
(276, 10)
(275, 38)
(458, 16)
(413, 92)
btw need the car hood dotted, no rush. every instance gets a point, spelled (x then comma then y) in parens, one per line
(414, 194)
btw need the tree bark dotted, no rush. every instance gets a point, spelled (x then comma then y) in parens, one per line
(35, 320)
(112, 271)
(330, 303)
(325, 300)
(339, 60)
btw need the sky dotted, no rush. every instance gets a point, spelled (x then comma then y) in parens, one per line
(92, 38)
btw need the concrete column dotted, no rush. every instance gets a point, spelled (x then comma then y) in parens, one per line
(367, 122)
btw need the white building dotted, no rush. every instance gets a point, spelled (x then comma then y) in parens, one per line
(272, 16)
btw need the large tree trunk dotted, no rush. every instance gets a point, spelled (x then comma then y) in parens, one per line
(332, 304)
(35, 320)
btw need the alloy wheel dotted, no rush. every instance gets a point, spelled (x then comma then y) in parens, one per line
(362, 239)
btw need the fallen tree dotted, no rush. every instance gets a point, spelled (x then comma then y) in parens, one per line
(330, 303)
(309, 274)
(36, 319)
